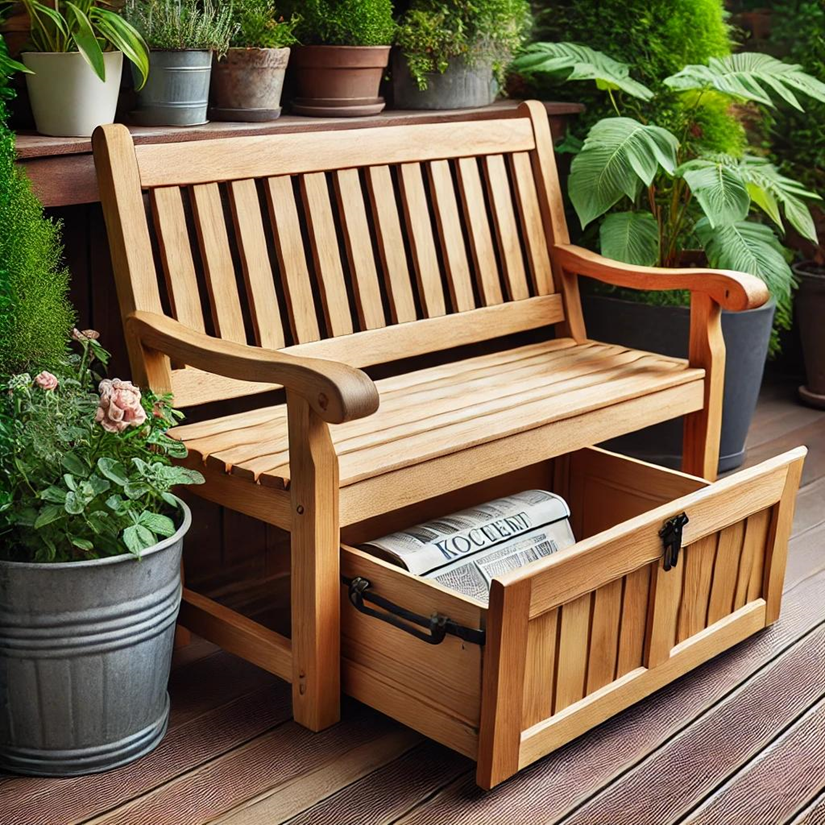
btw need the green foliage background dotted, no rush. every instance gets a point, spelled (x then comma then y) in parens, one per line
(35, 313)
(343, 22)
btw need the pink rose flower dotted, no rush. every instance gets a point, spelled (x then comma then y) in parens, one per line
(46, 381)
(119, 406)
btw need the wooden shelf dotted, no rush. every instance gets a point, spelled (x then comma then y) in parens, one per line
(62, 169)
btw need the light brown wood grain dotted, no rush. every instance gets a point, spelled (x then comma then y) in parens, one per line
(257, 269)
(663, 612)
(327, 259)
(604, 635)
(725, 572)
(753, 546)
(635, 602)
(700, 558)
(574, 643)
(540, 668)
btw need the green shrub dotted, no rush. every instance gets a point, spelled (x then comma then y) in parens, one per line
(258, 25)
(657, 38)
(175, 25)
(431, 32)
(35, 314)
(344, 22)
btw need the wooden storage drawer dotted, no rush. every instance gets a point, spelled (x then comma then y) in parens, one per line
(575, 638)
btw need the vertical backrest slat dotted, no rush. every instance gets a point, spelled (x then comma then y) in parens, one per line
(217, 262)
(176, 256)
(420, 231)
(292, 259)
(257, 269)
(326, 255)
(478, 230)
(359, 248)
(452, 239)
(501, 202)
(538, 254)
(391, 244)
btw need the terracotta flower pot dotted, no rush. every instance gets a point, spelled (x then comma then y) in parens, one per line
(810, 310)
(338, 81)
(247, 84)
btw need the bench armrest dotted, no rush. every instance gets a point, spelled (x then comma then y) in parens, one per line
(732, 290)
(335, 391)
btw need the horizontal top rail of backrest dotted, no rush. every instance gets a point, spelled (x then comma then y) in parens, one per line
(212, 161)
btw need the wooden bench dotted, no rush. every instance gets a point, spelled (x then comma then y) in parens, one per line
(295, 260)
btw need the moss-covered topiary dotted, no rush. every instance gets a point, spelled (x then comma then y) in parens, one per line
(35, 313)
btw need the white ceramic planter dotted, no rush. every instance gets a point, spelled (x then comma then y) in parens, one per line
(68, 99)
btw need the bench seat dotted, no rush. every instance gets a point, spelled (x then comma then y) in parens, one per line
(453, 407)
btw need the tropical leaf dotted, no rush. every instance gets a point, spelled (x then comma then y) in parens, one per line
(769, 189)
(630, 237)
(619, 155)
(570, 61)
(750, 76)
(748, 247)
(719, 188)
(125, 37)
(84, 37)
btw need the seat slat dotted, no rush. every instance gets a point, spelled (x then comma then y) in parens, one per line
(257, 269)
(452, 240)
(217, 262)
(478, 228)
(292, 259)
(176, 256)
(420, 231)
(391, 244)
(504, 218)
(359, 248)
(538, 254)
(327, 257)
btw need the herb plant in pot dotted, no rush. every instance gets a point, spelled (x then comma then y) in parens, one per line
(248, 80)
(345, 49)
(74, 62)
(452, 54)
(89, 569)
(660, 200)
(182, 35)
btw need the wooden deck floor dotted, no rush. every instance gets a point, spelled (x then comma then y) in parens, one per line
(739, 741)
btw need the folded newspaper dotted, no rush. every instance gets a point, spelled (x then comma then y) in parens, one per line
(465, 550)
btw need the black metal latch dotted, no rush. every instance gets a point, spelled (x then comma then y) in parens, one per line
(436, 627)
(671, 535)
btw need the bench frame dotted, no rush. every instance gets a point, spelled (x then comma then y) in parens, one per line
(333, 390)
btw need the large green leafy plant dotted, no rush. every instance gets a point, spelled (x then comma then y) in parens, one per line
(657, 196)
(86, 474)
(88, 27)
(433, 32)
(344, 22)
(258, 25)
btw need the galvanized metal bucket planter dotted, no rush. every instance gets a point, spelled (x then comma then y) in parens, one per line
(85, 652)
(247, 84)
(177, 90)
(462, 86)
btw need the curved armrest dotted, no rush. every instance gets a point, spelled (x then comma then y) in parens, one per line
(335, 391)
(731, 290)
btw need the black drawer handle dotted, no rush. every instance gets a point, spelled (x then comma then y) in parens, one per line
(436, 627)
(671, 536)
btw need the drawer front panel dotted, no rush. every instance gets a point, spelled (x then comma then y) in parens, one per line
(574, 639)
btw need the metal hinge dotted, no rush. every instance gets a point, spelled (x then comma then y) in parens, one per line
(671, 535)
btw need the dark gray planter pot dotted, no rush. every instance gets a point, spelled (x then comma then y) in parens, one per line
(810, 315)
(666, 330)
(85, 652)
(462, 86)
(177, 91)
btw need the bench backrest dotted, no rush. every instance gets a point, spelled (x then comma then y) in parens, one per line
(362, 245)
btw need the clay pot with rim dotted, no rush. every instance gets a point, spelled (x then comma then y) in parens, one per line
(247, 84)
(810, 315)
(338, 81)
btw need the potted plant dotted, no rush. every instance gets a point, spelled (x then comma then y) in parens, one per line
(452, 54)
(345, 49)
(89, 568)
(660, 199)
(182, 36)
(247, 82)
(799, 147)
(74, 61)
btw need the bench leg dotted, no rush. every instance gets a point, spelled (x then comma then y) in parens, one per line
(700, 451)
(316, 631)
